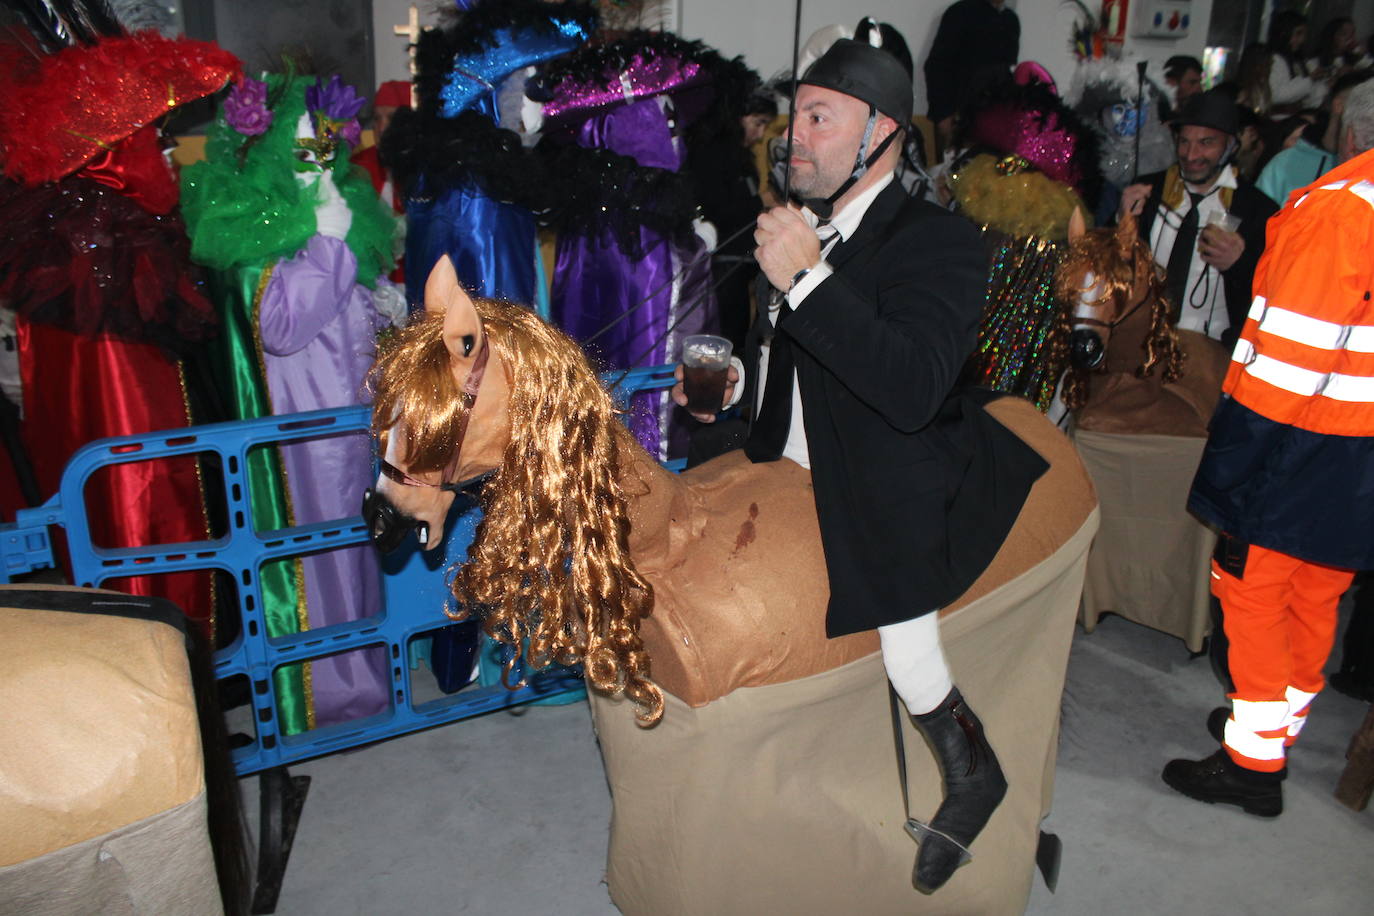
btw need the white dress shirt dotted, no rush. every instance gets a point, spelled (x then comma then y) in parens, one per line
(1203, 308)
(845, 223)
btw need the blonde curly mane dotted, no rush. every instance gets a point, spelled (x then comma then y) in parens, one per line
(549, 572)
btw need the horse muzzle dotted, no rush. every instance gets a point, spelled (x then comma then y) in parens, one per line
(1086, 350)
(387, 525)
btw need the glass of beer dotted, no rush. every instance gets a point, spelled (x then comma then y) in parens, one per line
(705, 361)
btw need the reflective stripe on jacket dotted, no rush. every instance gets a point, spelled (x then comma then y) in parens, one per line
(1289, 462)
(1306, 353)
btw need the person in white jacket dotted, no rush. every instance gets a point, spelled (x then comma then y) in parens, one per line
(1292, 85)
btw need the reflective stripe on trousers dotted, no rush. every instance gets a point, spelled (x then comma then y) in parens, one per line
(1280, 617)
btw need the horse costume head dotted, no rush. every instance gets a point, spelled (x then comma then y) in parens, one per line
(1121, 317)
(487, 397)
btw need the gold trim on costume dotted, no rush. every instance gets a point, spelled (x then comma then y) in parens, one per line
(1174, 189)
(1172, 196)
(200, 485)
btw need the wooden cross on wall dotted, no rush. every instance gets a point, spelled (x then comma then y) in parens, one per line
(411, 31)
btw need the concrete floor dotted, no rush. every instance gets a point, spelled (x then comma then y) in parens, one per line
(509, 813)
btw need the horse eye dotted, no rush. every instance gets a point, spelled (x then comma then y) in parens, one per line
(469, 341)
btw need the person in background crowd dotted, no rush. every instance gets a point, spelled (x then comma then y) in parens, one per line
(1314, 152)
(298, 245)
(977, 41)
(391, 95)
(1251, 85)
(1183, 76)
(1254, 145)
(1209, 266)
(727, 188)
(1338, 52)
(1288, 473)
(1292, 84)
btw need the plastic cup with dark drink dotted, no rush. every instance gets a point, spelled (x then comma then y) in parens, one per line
(705, 362)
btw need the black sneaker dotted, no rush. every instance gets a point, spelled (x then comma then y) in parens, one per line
(1218, 780)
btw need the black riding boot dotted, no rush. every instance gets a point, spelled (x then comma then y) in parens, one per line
(974, 787)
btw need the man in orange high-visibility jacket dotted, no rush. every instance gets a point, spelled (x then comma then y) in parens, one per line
(1288, 472)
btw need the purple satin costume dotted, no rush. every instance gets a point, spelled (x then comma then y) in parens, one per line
(594, 282)
(318, 329)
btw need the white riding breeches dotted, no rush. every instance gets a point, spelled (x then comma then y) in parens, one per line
(915, 662)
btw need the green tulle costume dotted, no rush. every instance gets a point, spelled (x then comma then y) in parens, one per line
(243, 205)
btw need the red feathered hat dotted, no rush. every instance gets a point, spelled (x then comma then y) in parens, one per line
(59, 113)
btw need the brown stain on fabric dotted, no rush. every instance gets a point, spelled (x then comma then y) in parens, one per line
(747, 532)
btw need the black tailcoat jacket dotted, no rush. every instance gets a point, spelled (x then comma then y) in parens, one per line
(916, 487)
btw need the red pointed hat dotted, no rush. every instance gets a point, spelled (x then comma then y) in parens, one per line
(59, 113)
(393, 94)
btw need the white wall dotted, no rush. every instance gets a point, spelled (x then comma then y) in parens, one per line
(761, 31)
(392, 60)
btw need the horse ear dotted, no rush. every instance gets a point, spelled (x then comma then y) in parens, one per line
(1078, 225)
(462, 326)
(442, 287)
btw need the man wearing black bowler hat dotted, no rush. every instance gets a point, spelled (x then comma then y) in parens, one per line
(875, 308)
(1209, 267)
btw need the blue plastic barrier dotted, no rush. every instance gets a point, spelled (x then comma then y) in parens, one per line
(414, 587)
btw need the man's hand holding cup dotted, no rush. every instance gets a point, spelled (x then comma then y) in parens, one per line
(705, 378)
(1220, 244)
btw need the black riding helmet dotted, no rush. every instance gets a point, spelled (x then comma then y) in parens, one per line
(870, 75)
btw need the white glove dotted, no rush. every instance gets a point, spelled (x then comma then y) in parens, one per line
(390, 302)
(332, 216)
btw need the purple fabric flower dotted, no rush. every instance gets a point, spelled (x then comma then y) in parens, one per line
(352, 132)
(245, 110)
(335, 101)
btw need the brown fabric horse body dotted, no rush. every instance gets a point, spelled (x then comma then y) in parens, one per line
(773, 767)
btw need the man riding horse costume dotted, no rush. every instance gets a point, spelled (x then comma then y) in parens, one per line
(915, 486)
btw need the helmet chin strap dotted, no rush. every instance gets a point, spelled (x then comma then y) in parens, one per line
(824, 207)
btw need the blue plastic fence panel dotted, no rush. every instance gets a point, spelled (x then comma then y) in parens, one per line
(414, 584)
(649, 378)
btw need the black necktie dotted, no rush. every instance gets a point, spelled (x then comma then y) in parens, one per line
(768, 435)
(1181, 257)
